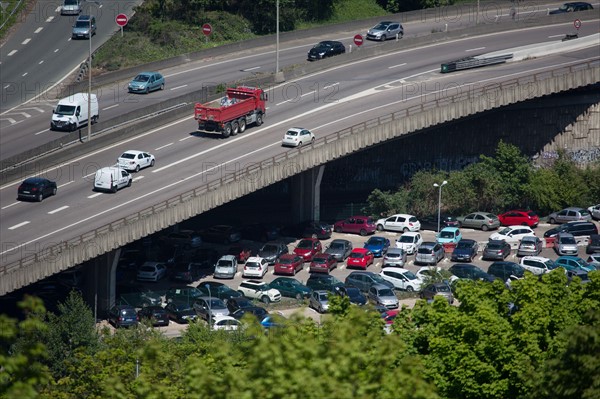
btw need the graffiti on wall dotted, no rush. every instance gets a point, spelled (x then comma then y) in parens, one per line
(582, 156)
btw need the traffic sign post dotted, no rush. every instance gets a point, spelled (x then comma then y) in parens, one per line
(577, 24)
(207, 30)
(121, 20)
(358, 40)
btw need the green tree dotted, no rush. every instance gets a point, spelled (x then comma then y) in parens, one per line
(382, 203)
(572, 189)
(423, 198)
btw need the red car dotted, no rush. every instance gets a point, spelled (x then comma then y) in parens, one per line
(362, 225)
(307, 248)
(241, 253)
(360, 257)
(323, 263)
(289, 264)
(519, 217)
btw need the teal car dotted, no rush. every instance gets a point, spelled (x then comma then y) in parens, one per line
(290, 287)
(146, 82)
(449, 235)
(570, 263)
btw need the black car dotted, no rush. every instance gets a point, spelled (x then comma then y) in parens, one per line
(324, 282)
(578, 229)
(465, 250)
(219, 290)
(593, 245)
(183, 293)
(186, 272)
(156, 314)
(36, 188)
(506, 270)
(470, 272)
(496, 249)
(256, 311)
(259, 232)
(221, 234)
(137, 295)
(181, 312)
(123, 316)
(431, 222)
(320, 230)
(354, 294)
(324, 49)
(572, 7)
(272, 250)
(241, 302)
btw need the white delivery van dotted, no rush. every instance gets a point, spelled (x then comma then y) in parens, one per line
(111, 179)
(71, 7)
(72, 112)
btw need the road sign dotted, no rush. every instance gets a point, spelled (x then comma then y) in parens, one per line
(121, 20)
(577, 24)
(358, 40)
(206, 29)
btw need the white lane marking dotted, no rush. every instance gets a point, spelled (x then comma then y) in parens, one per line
(162, 146)
(41, 62)
(10, 120)
(250, 69)
(26, 41)
(110, 106)
(138, 178)
(186, 138)
(62, 208)
(25, 74)
(49, 19)
(58, 9)
(554, 36)
(88, 175)
(94, 195)
(330, 86)
(296, 98)
(178, 87)
(40, 132)
(8, 206)
(38, 30)
(11, 53)
(66, 184)
(7, 86)
(56, 51)
(475, 49)
(16, 226)
(396, 66)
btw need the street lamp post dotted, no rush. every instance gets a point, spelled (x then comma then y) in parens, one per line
(439, 186)
(209, 306)
(89, 121)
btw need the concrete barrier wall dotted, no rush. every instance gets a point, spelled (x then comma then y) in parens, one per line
(237, 184)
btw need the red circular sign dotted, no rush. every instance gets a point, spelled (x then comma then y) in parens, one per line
(358, 40)
(121, 19)
(577, 24)
(206, 29)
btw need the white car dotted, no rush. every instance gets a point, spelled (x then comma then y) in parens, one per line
(151, 271)
(409, 242)
(537, 264)
(297, 137)
(259, 290)
(427, 273)
(399, 222)
(112, 178)
(255, 266)
(513, 234)
(225, 323)
(402, 279)
(595, 211)
(594, 259)
(132, 160)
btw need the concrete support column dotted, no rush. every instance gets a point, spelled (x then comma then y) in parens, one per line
(306, 194)
(100, 283)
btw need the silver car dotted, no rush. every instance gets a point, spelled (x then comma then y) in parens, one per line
(565, 244)
(479, 220)
(530, 245)
(385, 30)
(572, 214)
(394, 257)
(84, 27)
(210, 307)
(319, 301)
(340, 249)
(384, 296)
(429, 253)
(297, 136)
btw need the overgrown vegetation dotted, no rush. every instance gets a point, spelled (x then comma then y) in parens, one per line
(10, 12)
(538, 339)
(495, 184)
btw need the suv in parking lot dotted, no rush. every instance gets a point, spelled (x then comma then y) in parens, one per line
(259, 290)
(578, 229)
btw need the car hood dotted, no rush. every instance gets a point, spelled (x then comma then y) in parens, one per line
(332, 251)
(267, 254)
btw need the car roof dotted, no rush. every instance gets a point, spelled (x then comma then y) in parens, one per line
(293, 256)
(410, 234)
(429, 244)
(450, 228)
(35, 180)
(361, 272)
(296, 129)
(380, 286)
(257, 282)
(253, 259)
(136, 152)
(230, 257)
(83, 17)
(538, 258)
(496, 241)
(393, 250)
(467, 240)
(396, 269)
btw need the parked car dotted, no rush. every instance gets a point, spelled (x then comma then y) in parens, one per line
(221, 234)
(255, 267)
(289, 264)
(262, 232)
(133, 160)
(226, 267)
(506, 271)
(84, 27)
(571, 214)
(259, 290)
(219, 290)
(145, 82)
(123, 316)
(595, 211)
(136, 295)
(362, 225)
(410, 242)
(572, 263)
(319, 301)
(322, 263)
(297, 136)
(324, 282)
(290, 287)
(254, 311)
(519, 217)
(186, 272)
(316, 229)
(466, 250)
(339, 248)
(155, 314)
(449, 235)
(210, 307)
(377, 245)
(185, 239)
(565, 244)
(437, 289)
(530, 245)
(394, 257)
(355, 296)
(36, 188)
(578, 229)
(431, 222)
(537, 264)
(385, 30)
(496, 250)
(240, 252)
(272, 250)
(578, 273)
(388, 318)
(324, 49)
(181, 312)
(384, 296)
(361, 258)
(152, 271)
(364, 280)
(594, 259)
(307, 248)
(240, 302)
(572, 7)
(429, 253)
(184, 293)
(479, 220)
(593, 244)
(470, 272)
(225, 323)
(513, 233)
(399, 222)
(402, 279)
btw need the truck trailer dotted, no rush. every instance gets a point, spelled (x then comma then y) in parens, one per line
(231, 114)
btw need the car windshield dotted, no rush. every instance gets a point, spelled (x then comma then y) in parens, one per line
(319, 260)
(447, 234)
(147, 268)
(252, 264)
(386, 292)
(463, 245)
(215, 303)
(141, 78)
(443, 288)
(128, 155)
(375, 241)
(381, 26)
(128, 312)
(223, 263)
(65, 110)
(322, 46)
(322, 296)
(424, 250)
(356, 255)
(353, 292)
(567, 240)
(489, 215)
(336, 245)
(406, 239)
(286, 261)
(305, 244)
(82, 24)
(528, 240)
(550, 264)
(378, 279)
(505, 231)
(410, 275)
(495, 245)
(269, 248)
(532, 214)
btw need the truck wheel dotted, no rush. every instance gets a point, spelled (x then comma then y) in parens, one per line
(259, 119)
(235, 128)
(227, 130)
(242, 124)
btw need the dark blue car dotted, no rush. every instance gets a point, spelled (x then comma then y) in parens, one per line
(465, 250)
(377, 245)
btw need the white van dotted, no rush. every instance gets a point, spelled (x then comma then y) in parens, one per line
(71, 7)
(111, 179)
(72, 112)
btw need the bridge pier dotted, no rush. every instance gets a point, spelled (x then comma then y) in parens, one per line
(100, 281)
(306, 194)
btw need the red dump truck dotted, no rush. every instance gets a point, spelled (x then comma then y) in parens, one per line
(229, 115)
